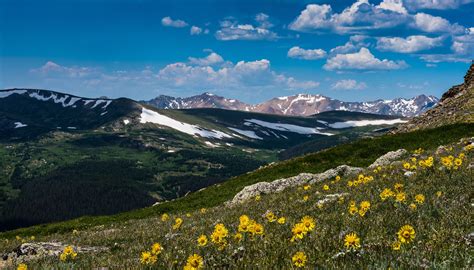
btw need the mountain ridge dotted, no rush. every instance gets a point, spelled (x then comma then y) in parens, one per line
(300, 104)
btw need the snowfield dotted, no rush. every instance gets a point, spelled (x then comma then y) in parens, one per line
(247, 133)
(362, 123)
(20, 125)
(286, 127)
(149, 116)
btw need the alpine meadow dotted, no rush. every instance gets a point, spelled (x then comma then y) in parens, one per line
(236, 134)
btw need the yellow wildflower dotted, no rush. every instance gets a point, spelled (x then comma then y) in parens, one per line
(271, 217)
(165, 217)
(238, 237)
(406, 234)
(281, 220)
(177, 223)
(195, 262)
(299, 259)
(308, 223)
(147, 258)
(307, 187)
(420, 198)
(396, 245)
(400, 197)
(352, 241)
(156, 249)
(22, 266)
(202, 240)
(325, 187)
(413, 206)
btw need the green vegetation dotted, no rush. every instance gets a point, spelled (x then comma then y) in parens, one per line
(359, 153)
(435, 202)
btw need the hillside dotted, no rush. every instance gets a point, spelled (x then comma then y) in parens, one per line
(455, 106)
(104, 156)
(300, 105)
(429, 197)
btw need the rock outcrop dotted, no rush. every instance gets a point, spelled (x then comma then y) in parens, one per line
(388, 158)
(455, 106)
(281, 184)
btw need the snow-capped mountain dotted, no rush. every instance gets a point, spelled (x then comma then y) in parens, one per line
(301, 104)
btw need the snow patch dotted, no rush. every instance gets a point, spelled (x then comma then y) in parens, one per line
(247, 133)
(20, 125)
(286, 127)
(149, 116)
(362, 123)
(5, 94)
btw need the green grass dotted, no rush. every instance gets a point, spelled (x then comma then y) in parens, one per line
(360, 153)
(441, 222)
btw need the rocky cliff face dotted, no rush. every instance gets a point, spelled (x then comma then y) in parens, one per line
(455, 106)
(300, 105)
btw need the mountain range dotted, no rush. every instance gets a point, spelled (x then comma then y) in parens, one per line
(300, 105)
(104, 156)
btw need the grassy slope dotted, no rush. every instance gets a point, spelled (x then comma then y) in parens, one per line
(360, 153)
(441, 224)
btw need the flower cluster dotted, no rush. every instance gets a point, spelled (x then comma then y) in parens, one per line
(150, 257)
(194, 262)
(361, 179)
(299, 230)
(219, 236)
(68, 254)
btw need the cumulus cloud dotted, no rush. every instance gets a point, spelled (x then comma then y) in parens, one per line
(435, 4)
(363, 16)
(362, 60)
(348, 85)
(233, 30)
(353, 45)
(212, 59)
(167, 21)
(409, 44)
(433, 24)
(194, 30)
(309, 54)
(359, 17)
(393, 5)
(242, 75)
(51, 67)
(462, 50)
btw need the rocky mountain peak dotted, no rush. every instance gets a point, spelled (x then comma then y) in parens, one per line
(456, 106)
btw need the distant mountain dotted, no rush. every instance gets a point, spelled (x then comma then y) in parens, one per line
(455, 106)
(300, 105)
(104, 156)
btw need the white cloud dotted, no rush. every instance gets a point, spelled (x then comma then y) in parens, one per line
(408, 45)
(353, 45)
(462, 50)
(435, 4)
(361, 16)
(433, 24)
(232, 30)
(242, 75)
(393, 5)
(194, 30)
(362, 60)
(348, 85)
(310, 54)
(212, 59)
(167, 21)
(245, 32)
(72, 72)
(263, 20)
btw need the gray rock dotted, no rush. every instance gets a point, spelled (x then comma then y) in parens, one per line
(33, 251)
(388, 158)
(279, 185)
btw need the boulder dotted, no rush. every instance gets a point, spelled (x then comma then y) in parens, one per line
(388, 158)
(279, 185)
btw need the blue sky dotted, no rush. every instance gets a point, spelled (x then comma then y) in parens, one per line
(250, 50)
